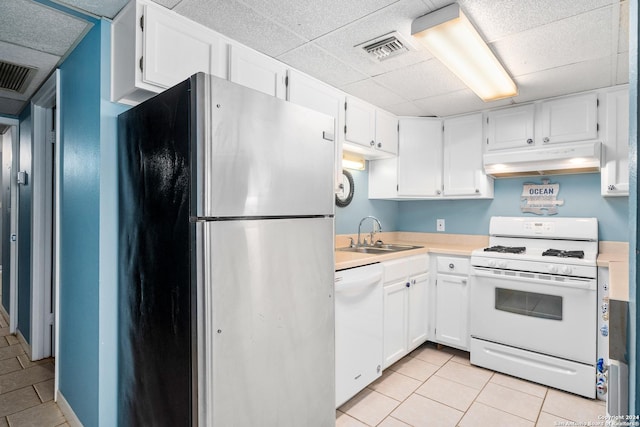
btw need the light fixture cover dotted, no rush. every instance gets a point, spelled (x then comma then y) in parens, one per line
(453, 39)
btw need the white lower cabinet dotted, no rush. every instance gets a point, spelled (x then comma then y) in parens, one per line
(405, 306)
(451, 302)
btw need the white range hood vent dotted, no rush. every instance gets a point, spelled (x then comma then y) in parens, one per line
(559, 159)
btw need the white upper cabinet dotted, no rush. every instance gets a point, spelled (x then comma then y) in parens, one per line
(614, 174)
(386, 132)
(311, 93)
(257, 71)
(369, 131)
(569, 119)
(510, 127)
(463, 174)
(420, 157)
(154, 48)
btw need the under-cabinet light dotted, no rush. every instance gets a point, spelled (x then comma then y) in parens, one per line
(452, 38)
(353, 163)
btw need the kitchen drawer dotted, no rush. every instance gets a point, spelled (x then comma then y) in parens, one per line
(453, 265)
(401, 268)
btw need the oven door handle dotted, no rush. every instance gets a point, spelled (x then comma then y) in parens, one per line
(586, 284)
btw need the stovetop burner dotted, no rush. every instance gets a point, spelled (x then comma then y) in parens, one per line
(563, 254)
(506, 249)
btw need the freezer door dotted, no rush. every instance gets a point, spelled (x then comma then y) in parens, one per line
(268, 339)
(261, 156)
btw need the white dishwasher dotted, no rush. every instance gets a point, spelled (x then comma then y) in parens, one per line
(359, 317)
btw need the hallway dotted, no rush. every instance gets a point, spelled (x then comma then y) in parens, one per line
(26, 388)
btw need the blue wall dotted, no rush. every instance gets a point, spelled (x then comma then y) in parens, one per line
(581, 195)
(79, 228)
(348, 218)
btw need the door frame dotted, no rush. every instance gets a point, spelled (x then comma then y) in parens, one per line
(44, 263)
(10, 228)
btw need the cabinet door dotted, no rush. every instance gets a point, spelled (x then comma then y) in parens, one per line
(418, 320)
(463, 155)
(420, 157)
(360, 122)
(252, 69)
(386, 132)
(451, 311)
(309, 92)
(395, 322)
(510, 127)
(569, 119)
(615, 169)
(174, 51)
(383, 178)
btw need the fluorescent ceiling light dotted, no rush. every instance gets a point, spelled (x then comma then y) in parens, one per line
(452, 38)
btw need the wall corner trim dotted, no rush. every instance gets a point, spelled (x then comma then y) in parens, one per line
(65, 408)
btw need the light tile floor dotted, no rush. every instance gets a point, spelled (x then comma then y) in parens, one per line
(26, 388)
(439, 387)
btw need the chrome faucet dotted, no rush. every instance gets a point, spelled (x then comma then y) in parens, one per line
(376, 221)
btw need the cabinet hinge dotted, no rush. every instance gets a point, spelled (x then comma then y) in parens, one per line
(487, 120)
(597, 127)
(141, 62)
(397, 187)
(142, 22)
(487, 141)
(398, 127)
(345, 129)
(345, 106)
(51, 137)
(286, 81)
(597, 103)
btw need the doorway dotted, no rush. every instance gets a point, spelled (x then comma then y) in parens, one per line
(45, 118)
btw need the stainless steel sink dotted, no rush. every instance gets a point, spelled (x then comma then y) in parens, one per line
(379, 249)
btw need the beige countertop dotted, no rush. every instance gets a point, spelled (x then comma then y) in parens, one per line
(614, 255)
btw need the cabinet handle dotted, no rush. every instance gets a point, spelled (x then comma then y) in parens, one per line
(546, 139)
(464, 281)
(379, 144)
(477, 191)
(529, 141)
(372, 143)
(413, 282)
(438, 192)
(407, 284)
(452, 266)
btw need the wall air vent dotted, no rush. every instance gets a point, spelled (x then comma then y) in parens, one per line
(387, 46)
(15, 77)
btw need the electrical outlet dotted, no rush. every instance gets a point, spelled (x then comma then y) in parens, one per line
(439, 224)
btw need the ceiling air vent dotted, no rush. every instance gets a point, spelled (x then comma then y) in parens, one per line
(15, 77)
(387, 46)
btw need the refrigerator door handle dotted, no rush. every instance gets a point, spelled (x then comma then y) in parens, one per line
(328, 136)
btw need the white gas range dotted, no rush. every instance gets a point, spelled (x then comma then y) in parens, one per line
(533, 301)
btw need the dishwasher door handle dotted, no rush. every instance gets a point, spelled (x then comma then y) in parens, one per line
(357, 283)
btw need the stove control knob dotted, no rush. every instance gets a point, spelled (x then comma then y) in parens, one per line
(552, 268)
(502, 263)
(492, 263)
(566, 269)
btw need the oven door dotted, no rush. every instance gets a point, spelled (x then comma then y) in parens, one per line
(549, 314)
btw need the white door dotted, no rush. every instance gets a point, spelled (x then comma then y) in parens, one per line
(463, 155)
(570, 119)
(256, 71)
(451, 311)
(420, 157)
(395, 322)
(418, 315)
(510, 127)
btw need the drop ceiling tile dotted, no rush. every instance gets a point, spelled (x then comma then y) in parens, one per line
(316, 62)
(169, 4)
(312, 19)
(457, 102)
(622, 71)
(397, 17)
(11, 107)
(428, 78)
(108, 8)
(571, 40)
(564, 80)
(405, 109)
(29, 24)
(497, 18)
(372, 92)
(623, 31)
(241, 23)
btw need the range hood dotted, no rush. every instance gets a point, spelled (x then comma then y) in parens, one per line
(583, 157)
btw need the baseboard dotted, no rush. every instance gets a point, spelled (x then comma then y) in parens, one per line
(4, 313)
(65, 408)
(25, 345)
